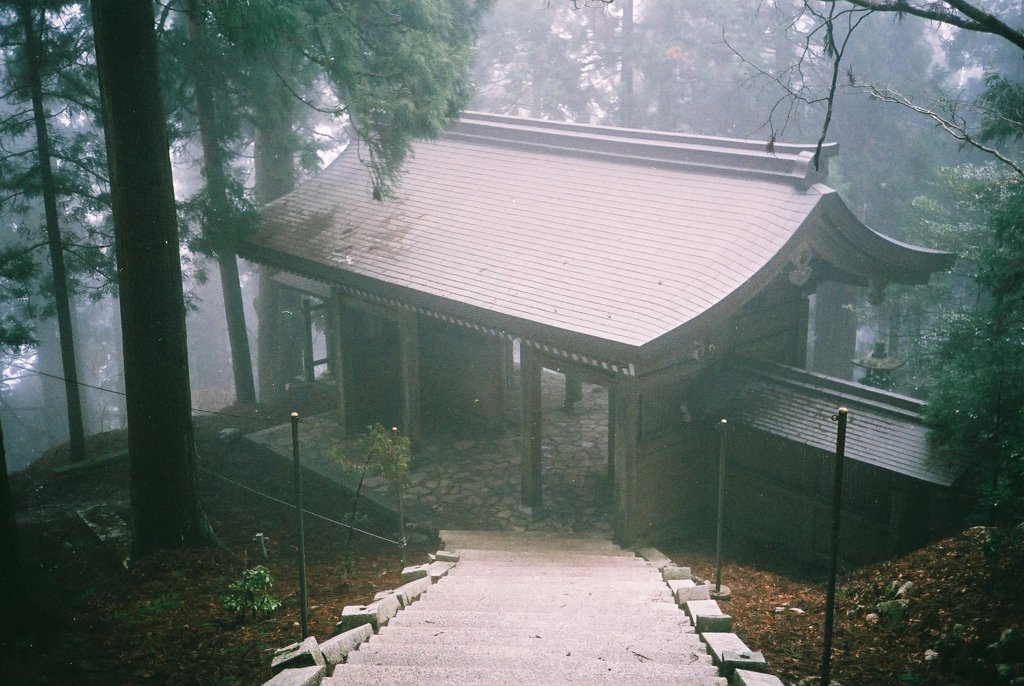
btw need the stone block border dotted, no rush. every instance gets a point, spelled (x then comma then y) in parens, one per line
(735, 661)
(306, 663)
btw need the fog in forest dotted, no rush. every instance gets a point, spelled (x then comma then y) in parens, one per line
(709, 68)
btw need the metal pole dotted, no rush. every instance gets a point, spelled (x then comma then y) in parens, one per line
(830, 597)
(722, 428)
(303, 600)
(401, 513)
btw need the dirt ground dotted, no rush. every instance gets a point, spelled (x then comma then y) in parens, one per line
(965, 606)
(161, 621)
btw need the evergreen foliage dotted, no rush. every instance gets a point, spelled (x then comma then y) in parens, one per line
(978, 390)
(68, 79)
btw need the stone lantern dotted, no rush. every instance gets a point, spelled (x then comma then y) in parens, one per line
(879, 367)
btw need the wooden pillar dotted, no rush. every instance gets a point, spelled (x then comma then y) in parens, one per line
(308, 369)
(530, 457)
(612, 400)
(627, 443)
(573, 391)
(278, 361)
(800, 352)
(336, 351)
(409, 337)
(508, 368)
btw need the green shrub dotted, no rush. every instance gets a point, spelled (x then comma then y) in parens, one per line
(251, 593)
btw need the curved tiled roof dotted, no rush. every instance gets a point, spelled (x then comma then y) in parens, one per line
(615, 235)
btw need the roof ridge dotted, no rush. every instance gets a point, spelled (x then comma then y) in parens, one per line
(788, 162)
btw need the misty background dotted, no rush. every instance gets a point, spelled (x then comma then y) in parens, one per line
(725, 69)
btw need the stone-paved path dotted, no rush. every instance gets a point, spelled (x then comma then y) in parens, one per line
(536, 608)
(472, 481)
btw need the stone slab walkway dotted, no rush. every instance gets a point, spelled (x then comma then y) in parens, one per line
(472, 481)
(536, 608)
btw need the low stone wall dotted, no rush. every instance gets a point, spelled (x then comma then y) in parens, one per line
(307, 662)
(735, 661)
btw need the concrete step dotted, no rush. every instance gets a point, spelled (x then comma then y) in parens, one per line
(502, 595)
(552, 557)
(543, 622)
(579, 638)
(533, 574)
(556, 584)
(650, 674)
(528, 540)
(480, 655)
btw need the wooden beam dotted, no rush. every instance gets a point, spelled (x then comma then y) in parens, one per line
(530, 459)
(612, 400)
(409, 337)
(335, 347)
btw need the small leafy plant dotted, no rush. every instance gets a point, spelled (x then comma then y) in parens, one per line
(251, 593)
(385, 453)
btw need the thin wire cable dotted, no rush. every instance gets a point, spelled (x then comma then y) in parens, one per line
(268, 420)
(221, 476)
(312, 514)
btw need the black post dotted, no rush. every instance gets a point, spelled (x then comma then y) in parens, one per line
(722, 428)
(303, 600)
(830, 598)
(401, 512)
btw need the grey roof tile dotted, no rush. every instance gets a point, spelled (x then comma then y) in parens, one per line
(884, 430)
(555, 224)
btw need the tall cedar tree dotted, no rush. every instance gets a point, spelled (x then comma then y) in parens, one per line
(222, 225)
(164, 503)
(30, 16)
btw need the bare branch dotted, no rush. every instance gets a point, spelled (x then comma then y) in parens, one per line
(970, 17)
(952, 124)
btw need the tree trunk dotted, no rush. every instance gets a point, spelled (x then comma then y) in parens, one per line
(276, 348)
(225, 240)
(11, 580)
(164, 503)
(33, 50)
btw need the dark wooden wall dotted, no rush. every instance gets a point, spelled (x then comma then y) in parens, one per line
(463, 376)
(372, 369)
(772, 326)
(779, 492)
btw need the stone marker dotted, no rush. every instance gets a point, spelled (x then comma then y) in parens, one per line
(701, 607)
(335, 650)
(376, 614)
(438, 570)
(655, 557)
(685, 590)
(447, 556)
(720, 643)
(415, 572)
(304, 654)
(411, 592)
(674, 572)
(745, 677)
(300, 676)
(713, 624)
(742, 659)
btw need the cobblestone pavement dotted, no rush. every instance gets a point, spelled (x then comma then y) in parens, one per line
(465, 481)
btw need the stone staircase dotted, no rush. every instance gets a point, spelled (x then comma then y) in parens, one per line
(536, 608)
